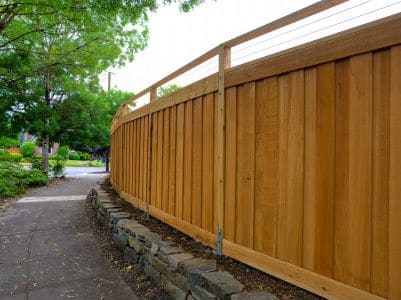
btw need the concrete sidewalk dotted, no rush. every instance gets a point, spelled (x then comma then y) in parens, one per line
(47, 250)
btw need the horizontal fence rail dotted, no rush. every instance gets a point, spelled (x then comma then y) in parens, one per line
(294, 157)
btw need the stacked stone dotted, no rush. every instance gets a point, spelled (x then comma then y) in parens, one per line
(181, 275)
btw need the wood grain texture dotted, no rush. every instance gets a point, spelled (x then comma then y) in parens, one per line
(179, 161)
(380, 171)
(187, 194)
(291, 202)
(308, 259)
(159, 170)
(231, 163)
(166, 157)
(395, 175)
(207, 162)
(245, 181)
(154, 160)
(360, 171)
(341, 216)
(196, 206)
(266, 166)
(325, 175)
(172, 160)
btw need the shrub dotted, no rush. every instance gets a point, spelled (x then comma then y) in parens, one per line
(74, 156)
(7, 142)
(59, 168)
(14, 179)
(63, 152)
(28, 149)
(16, 157)
(4, 155)
(84, 156)
(36, 162)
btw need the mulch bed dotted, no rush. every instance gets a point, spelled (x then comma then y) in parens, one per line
(252, 279)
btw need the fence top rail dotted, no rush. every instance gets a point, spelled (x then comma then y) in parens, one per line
(269, 27)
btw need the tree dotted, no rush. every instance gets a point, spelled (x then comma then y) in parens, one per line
(83, 122)
(167, 90)
(47, 47)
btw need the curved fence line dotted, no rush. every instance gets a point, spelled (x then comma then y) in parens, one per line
(289, 163)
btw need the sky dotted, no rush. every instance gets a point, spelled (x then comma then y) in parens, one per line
(176, 38)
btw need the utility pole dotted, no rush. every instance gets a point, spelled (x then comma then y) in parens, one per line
(109, 82)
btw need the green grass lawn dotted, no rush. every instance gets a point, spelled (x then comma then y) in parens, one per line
(81, 163)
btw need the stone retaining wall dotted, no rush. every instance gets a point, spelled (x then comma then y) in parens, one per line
(182, 276)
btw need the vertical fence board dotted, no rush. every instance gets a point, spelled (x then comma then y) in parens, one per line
(172, 160)
(154, 160)
(380, 170)
(180, 161)
(341, 216)
(395, 175)
(246, 165)
(207, 162)
(266, 166)
(231, 170)
(159, 171)
(292, 206)
(196, 214)
(325, 151)
(187, 194)
(166, 146)
(138, 156)
(308, 260)
(360, 170)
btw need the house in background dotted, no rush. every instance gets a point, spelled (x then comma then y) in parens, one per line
(26, 137)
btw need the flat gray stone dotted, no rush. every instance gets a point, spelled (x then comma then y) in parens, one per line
(151, 272)
(222, 284)
(136, 244)
(174, 291)
(254, 296)
(199, 293)
(131, 255)
(150, 237)
(119, 215)
(175, 259)
(193, 268)
(164, 251)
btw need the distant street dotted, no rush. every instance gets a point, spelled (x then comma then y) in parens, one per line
(78, 172)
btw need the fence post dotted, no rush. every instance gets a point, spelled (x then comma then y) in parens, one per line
(224, 63)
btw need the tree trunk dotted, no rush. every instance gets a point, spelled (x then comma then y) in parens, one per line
(45, 153)
(107, 153)
(45, 135)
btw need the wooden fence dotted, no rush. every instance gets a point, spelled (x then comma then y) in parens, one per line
(296, 157)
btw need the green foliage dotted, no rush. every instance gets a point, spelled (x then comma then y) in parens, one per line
(167, 90)
(53, 157)
(63, 152)
(36, 162)
(16, 157)
(59, 166)
(52, 52)
(84, 155)
(74, 156)
(3, 152)
(7, 142)
(14, 179)
(28, 149)
(84, 119)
